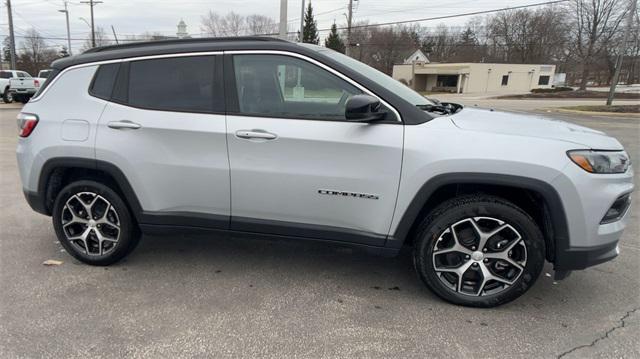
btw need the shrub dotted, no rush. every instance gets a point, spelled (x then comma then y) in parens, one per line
(552, 90)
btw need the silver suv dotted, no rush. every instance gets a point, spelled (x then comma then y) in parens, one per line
(272, 138)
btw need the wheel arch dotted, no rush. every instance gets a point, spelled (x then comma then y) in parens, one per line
(536, 197)
(58, 172)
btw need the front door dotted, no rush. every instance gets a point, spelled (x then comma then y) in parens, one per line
(297, 167)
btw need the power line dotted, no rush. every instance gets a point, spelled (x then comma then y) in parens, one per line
(92, 3)
(481, 12)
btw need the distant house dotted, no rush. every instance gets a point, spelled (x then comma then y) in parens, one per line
(416, 57)
(474, 77)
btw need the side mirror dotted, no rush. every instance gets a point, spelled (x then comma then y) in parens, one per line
(364, 108)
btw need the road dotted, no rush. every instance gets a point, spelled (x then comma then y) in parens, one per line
(228, 297)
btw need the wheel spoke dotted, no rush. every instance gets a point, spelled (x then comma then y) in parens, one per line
(457, 246)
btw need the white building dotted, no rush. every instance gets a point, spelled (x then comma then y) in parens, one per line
(418, 57)
(474, 77)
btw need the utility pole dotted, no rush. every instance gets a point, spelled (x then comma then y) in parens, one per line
(92, 3)
(301, 22)
(622, 50)
(12, 38)
(349, 19)
(283, 19)
(66, 13)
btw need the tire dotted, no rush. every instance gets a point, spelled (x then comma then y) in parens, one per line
(7, 96)
(450, 240)
(102, 240)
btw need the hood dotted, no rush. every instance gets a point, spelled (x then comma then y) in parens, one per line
(508, 123)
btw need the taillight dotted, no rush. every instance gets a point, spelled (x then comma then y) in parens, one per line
(26, 123)
(36, 83)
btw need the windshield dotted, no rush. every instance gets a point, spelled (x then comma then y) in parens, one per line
(377, 76)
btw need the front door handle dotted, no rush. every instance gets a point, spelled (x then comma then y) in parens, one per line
(256, 134)
(123, 124)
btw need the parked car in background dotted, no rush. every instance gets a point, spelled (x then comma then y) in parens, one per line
(17, 86)
(5, 76)
(42, 77)
(22, 88)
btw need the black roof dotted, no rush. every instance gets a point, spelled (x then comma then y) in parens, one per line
(149, 48)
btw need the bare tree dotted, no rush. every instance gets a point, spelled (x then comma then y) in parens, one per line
(231, 24)
(595, 22)
(34, 54)
(101, 39)
(260, 25)
(210, 23)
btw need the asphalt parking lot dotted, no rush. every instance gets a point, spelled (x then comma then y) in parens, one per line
(229, 297)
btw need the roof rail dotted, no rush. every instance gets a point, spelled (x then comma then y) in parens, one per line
(181, 41)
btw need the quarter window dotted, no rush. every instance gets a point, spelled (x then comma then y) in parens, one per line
(287, 87)
(102, 85)
(174, 84)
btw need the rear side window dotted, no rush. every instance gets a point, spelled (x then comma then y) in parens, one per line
(184, 84)
(103, 80)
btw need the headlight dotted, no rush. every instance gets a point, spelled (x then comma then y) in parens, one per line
(601, 161)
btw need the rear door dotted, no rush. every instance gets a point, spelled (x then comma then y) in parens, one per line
(164, 128)
(297, 167)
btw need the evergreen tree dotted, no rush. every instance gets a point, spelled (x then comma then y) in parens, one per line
(468, 38)
(333, 41)
(310, 29)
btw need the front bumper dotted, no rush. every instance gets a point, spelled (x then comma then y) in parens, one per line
(587, 198)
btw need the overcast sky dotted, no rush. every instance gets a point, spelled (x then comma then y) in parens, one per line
(131, 17)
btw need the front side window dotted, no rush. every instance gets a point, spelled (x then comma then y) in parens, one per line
(174, 84)
(5, 75)
(288, 87)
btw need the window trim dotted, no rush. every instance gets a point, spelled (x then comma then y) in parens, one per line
(232, 92)
(227, 94)
(98, 63)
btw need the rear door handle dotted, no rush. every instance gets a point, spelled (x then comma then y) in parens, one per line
(256, 134)
(123, 124)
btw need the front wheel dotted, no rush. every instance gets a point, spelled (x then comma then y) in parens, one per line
(93, 223)
(479, 251)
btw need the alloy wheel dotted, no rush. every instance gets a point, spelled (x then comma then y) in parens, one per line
(479, 256)
(91, 224)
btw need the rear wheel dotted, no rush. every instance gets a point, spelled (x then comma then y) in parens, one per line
(479, 251)
(93, 223)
